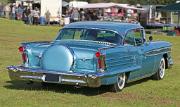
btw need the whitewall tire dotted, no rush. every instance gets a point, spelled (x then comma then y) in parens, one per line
(161, 70)
(120, 83)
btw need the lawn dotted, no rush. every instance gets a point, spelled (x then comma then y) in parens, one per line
(4, 1)
(144, 93)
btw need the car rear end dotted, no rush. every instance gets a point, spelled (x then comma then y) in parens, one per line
(62, 62)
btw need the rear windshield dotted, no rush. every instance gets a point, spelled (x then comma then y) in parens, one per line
(90, 34)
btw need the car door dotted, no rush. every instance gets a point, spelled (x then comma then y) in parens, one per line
(135, 42)
(145, 49)
(148, 59)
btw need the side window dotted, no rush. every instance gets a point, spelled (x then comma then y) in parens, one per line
(134, 37)
(109, 36)
(103, 35)
(129, 38)
(138, 37)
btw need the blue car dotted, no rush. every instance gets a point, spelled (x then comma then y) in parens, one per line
(93, 54)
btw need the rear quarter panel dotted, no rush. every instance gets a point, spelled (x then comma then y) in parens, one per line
(118, 60)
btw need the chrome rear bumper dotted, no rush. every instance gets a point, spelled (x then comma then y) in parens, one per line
(70, 78)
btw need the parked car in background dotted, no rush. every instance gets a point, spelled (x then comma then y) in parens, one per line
(93, 54)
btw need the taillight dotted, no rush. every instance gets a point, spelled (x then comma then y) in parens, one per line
(101, 61)
(24, 56)
(98, 54)
(21, 49)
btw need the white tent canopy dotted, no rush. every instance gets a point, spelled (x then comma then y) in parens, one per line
(77, 4)
(127, 6)
(98, 5)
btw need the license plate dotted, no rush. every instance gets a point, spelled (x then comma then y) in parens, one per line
(52, 78)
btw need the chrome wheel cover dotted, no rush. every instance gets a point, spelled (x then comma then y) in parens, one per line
(121, 81)
(162, 68)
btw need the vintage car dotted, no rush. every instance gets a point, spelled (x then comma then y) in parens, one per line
(93, 54)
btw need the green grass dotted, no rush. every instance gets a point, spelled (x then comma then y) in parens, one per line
(4, 1)
(144, 93)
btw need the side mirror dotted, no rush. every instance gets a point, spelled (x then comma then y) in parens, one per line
(150, 35)
(150, 38)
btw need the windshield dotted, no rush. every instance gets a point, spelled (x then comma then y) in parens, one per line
(90, 34)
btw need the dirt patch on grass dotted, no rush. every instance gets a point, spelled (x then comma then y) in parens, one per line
(132, 97)
(121, 96)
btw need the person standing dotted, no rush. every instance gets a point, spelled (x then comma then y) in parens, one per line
(13, 11)
(25, 15)
(48, 15)
(75, 16)
(19, 12)
(30, 16)
(7, 10)
(36, 16)
(94, 17)
(1, 10)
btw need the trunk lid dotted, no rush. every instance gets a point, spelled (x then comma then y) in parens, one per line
(33, 52)
(64, 55)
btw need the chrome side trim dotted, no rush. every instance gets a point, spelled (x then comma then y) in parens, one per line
(32, 77)
(157, 51)
(73, 81)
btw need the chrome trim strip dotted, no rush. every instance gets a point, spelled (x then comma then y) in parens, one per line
(73, 81)
(31, 77)
(157, 51)
(43, 79)
(37, 70)
(119, 58)
(155, 54)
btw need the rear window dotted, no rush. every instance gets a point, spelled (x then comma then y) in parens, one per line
(90, 34)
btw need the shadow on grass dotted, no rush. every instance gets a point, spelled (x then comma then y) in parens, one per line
(138, 82)
(59, 88)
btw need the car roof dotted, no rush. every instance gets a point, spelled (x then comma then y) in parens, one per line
(118, 27)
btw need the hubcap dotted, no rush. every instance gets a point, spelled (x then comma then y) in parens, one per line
(162, 69)
(121, 81)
